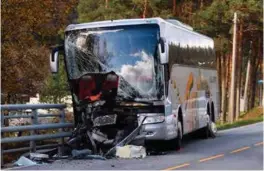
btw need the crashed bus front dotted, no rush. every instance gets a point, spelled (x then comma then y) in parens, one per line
(117, 84)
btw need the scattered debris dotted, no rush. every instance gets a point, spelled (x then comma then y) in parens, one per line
(79, 154)
(131, 151)
(57, 157)
(38, 156)
(23, 161)
(50, 152)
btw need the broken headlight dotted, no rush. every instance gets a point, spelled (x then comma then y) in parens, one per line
(151, 118)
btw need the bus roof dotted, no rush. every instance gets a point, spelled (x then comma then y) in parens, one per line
(136, 21)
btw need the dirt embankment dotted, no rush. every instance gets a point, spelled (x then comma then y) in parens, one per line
(253, 113)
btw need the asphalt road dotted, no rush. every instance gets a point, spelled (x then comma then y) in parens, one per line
(238, 149)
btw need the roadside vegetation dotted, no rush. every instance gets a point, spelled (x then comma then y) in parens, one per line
(253, 116)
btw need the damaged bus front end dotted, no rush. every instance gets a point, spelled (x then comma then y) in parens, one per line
(117, 84)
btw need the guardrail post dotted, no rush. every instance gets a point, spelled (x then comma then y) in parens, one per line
(61, 140)
(34, 121)
(2, 136)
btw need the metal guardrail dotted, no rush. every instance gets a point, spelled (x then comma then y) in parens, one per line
(33, 137)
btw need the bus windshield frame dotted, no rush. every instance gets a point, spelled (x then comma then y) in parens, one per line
(130, 51)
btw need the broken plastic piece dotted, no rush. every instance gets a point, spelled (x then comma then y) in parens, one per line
(126, 140)
(80, 153)
(131, 151)
(56, 156)
(38, 156)
(23, 161)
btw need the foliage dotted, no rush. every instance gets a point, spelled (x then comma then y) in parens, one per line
(28, 28)
(90, 10)
(55, 86)
(216, 20)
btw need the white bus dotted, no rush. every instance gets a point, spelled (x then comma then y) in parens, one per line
(154, 68)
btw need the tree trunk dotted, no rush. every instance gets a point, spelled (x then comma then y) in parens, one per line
(232, 98)
(253, 76)
(174, 7)
(239, 70)
(201, 4)
(260, 63)
(223, 87)
(247, 81)
(219, 56)
(227, 80)
(106, 4)
(145, 8)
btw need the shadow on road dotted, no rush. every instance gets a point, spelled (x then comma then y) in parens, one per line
(155, 148)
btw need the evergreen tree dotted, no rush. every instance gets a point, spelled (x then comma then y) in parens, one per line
(56, 87)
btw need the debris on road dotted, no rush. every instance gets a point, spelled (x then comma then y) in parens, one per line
(85, 154)
(96, 157)
(38, 156)
(79, 154)
(23, 161)
(131, 151)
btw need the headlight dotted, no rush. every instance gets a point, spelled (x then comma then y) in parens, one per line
(151, 118)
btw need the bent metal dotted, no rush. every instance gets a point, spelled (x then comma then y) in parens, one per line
(138, 80)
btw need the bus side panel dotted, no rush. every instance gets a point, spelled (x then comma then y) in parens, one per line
(190, 87)
(186, 91)
(188, 53)
(212, 80)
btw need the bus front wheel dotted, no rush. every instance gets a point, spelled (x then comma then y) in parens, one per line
(178, 140)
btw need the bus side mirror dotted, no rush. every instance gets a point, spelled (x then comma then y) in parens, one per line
(162, 51)
(54, 59)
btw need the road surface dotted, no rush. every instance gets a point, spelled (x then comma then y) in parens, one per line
(238, 148)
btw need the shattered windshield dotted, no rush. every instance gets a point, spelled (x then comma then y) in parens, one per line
(129, 51)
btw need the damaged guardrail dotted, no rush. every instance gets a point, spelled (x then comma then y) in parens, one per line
(35, 125)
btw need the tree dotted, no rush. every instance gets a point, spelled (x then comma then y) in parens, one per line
(215, 20)
(55, 87)
(232, 98)
(28, 29)
(90, 10)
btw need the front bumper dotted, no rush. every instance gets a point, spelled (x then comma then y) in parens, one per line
(155, 131)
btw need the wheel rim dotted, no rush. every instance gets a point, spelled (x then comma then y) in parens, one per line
(213, 127)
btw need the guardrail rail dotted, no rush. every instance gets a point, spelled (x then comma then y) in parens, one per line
(35, 125)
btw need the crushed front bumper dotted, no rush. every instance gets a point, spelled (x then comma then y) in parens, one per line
(155, 131)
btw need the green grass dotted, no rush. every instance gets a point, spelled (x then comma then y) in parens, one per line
(239, 123)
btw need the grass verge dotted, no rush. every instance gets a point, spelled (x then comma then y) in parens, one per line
(240, 123)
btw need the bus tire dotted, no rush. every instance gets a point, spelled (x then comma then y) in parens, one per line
(210, 129)
(178, 139)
